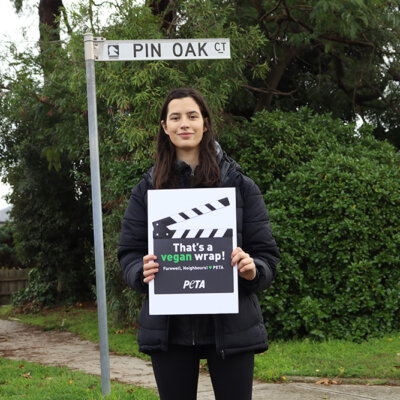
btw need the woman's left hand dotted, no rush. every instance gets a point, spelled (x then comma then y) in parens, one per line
(246, 266)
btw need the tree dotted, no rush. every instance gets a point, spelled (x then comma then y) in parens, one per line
(49, 16)
(51, 212)
(340, 57)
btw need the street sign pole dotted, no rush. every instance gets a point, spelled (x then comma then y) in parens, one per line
(98, 49)
(97, 214)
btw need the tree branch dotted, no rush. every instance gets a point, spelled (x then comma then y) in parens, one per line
(394, 74)
(295, 20)
(46, 100)
(270, 11)
(269, 91)
(66, 22)
(258, 7)
(338, 39)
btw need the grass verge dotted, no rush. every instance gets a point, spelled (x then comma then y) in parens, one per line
(24, 380)
(374, 361)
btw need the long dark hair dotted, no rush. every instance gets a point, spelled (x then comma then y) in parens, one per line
(207, 173)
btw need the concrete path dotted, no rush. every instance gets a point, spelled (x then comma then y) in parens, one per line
(23, 342)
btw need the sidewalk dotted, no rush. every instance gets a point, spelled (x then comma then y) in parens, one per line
(23, 342)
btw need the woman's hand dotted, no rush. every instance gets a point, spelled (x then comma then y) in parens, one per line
(246, 266)
(150, 267)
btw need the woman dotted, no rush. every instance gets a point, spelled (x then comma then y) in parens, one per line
(188, 157)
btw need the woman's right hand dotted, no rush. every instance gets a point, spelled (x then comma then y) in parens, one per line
(150, 267)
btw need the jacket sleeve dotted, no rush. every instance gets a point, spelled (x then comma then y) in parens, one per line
(257, 237)
(133, 245)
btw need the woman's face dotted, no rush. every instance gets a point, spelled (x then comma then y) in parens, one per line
(184, 124)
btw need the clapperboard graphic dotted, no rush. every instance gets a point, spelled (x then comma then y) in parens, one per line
(195, 258)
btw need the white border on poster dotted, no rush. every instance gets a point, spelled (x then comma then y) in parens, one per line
(163, 203)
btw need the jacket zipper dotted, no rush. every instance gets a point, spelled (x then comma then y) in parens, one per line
(168, 318)
(219, 341)
(193, 332)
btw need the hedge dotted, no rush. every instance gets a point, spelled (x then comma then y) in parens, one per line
(334, 198)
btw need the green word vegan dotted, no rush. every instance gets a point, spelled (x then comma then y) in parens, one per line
(176, 257)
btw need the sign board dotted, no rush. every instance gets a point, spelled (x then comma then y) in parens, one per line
(193, 233)
(162, 49)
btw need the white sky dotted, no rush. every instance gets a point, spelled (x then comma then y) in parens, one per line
(12, 27)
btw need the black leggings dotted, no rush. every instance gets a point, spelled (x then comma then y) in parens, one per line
(177, 372)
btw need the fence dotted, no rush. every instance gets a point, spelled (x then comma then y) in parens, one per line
(12, 280)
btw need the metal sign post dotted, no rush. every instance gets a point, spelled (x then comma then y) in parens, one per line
(97, 215)
(99, 49)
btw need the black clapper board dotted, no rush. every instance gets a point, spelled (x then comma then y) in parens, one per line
(193, 260)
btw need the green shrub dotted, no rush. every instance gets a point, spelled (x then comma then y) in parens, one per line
(8, 254)
(333, 196)
(275, 143)
(41, 291)
(336, 220)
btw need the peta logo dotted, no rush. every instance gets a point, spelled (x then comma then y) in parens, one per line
(197, 284)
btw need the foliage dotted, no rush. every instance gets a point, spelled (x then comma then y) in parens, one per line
(50, 204)
(50, 219)
(275, 143)
(332, 194)
(44, 133)
(336, 223)
(43, 138)
(333, 56)
(8, 254)
(41, 291)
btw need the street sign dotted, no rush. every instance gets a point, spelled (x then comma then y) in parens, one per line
(162, 49)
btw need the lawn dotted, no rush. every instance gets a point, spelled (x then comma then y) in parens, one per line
(374, 361)
(24, 380)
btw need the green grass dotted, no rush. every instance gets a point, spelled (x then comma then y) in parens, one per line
(24, 380)
(375, 360)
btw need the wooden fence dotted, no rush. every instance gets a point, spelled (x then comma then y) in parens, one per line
(12, 280)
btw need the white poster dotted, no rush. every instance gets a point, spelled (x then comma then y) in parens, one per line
(193, 233)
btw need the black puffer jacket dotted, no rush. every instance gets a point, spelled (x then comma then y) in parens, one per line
(234, 333)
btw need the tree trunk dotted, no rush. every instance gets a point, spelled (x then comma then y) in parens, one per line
(275, 76)
(165, 8)
(49, 16)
